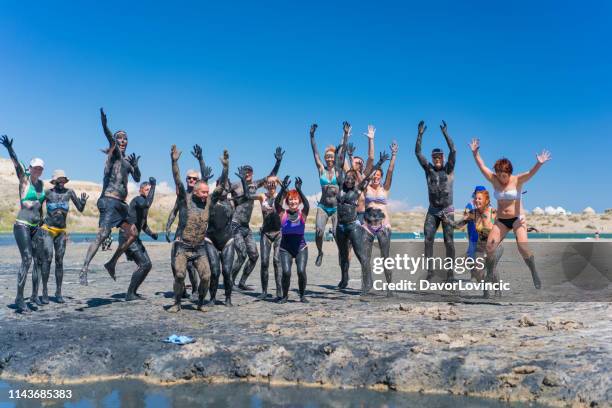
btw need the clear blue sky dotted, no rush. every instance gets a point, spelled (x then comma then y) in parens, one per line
(522, 76)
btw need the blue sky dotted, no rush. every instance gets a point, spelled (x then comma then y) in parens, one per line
(521, 76)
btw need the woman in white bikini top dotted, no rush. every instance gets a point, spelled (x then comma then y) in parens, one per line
(508, 188)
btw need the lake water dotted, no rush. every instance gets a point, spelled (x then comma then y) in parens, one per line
(8, 239)
(133, 393)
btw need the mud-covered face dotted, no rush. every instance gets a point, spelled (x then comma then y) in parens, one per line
(271, 185)
(36, 171)
(349, 181)
(358, 165)
(480, 201)
(60, 182)
(503, 177)
(144, 190)
(376, 177)
(191, 179)
(249, 176)
(122, 142)
(437, 160)
(200, 190)
(293, 203)
(329, 159)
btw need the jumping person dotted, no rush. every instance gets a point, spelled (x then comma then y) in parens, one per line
(137, 215)
(348, 231)
(377, 224)
(482, 216)
(508, 188)
(220, 238)
(193, 212)
(327, 206)
(293, 245)
(244, 242)
(52, 235)
(111, 204)
(440, 178)
(191, 178)
(269, 234)
(31, 197)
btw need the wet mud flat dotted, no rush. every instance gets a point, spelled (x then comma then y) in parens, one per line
(554, 353)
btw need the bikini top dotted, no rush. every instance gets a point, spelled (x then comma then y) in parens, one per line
(60, 205)
(267, 205)
(481, 229)
(378, 198)
(509, 195)
(289, 227)
(325, 181)
(33, 195)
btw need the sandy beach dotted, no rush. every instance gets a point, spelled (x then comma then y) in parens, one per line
(554, 353)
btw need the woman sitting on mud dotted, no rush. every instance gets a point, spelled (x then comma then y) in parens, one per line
(348, 231)
(376, 218)
(508, 188)
(326, 208)
(293, 245)
(483, 217)
(31, 197)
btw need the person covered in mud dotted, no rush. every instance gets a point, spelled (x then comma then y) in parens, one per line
(193, 211)
(508, 190)
(293, 245)
(348, 231)
(191, 178)
(327, 206)
(220, 237)
(244, 243)
(137, 215)
(52, 236)
(361, 169)
(111, 204)
(440, 177)
(269, 233)
(377, 225)
(482, 216)
(31, 197)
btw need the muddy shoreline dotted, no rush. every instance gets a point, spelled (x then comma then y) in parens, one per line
(554, 353)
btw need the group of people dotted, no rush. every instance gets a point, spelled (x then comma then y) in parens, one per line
(214, 238)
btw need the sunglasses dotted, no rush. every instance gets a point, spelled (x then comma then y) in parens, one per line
(192, 178)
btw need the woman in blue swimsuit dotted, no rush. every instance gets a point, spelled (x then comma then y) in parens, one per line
(293, 245)
(329, 189)
(31, 196)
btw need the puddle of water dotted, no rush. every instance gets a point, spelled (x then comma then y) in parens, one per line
(133, 393)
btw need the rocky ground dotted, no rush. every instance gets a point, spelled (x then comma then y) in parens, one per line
(553, 353)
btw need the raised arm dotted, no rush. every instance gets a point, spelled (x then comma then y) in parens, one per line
(205, 172)
(540, 160)
(452, 155)
(78, 203)
(417, 149)
(176, 173)
(305, 203)
(107, 132)
(278, 201)
(19, 169)
(133, 160)
(221, 183)
(341, 151)
(475, 147)
(315, 151)
(170, 221)
(389, 176)
(370, 136)
(151, 195)
(350, 150)
(245, 187)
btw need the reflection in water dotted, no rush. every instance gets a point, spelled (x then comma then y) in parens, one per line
(136, 394)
